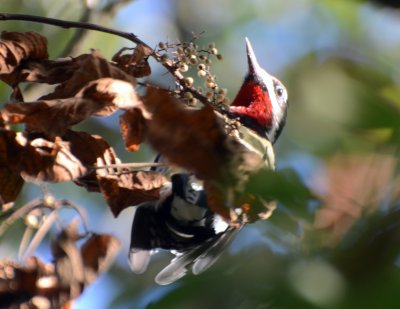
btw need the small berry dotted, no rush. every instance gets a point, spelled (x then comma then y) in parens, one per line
(201, 73)
(210, 85)
(188, 95)
(220, 98)
(190, 51)
(49, 200)
(189, 81)
(32, 221)
(193, 59)
(162, 45)
(183, 67)
(220, 57)
(164, 58)
(192, 101)
(214, 51)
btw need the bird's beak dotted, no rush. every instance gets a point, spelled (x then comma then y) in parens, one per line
(254, 67)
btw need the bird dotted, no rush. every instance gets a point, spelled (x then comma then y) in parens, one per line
(262, 101)
(180, 221)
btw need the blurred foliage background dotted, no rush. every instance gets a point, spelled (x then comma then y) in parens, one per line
(340, 60)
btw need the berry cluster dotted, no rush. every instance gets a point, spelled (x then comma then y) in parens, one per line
(188, 58)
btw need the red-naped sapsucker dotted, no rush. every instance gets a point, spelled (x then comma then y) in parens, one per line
(181, 221)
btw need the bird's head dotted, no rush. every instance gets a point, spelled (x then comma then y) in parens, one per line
(261, 102)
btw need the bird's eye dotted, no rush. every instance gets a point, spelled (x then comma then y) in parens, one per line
(279, 91)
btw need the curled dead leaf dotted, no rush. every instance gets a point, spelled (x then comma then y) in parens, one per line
(51, 285)
(16, 47)
(135, 64)
(111, 94)
(10, 186)
(20, 284)
(91, 150)
(89, 67)
(98, 252)
(54, 117)
(133, 128)
(192, 139)
(39, 159)
(46, 71)
(122, 191)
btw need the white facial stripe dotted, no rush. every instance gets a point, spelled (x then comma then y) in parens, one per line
(279, 104)
(277, 109)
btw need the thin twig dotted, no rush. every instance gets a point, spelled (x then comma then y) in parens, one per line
(19, 213)
(42, 231)
(71, 24)
(81, 212)
(68, 245)
(24, 242)
(130, 165)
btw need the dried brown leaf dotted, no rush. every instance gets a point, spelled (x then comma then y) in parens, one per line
(39, 159)
(192, 139)
(78, 267)
(133, 128)
(46, 71)
(98, 252)
(131, 189)
(54, 117)
(40, 285)
(216, 199)
(16, 47)
(90, 67)
(16, 95)
(21, 284)
(2, 124)
(10, 186)
(135, 64)
(68, 260)
(111, 94)
(91, 150)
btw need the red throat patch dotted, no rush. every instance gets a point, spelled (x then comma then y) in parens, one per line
(253, 101)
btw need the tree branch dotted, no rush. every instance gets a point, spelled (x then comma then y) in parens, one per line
(72, 24)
